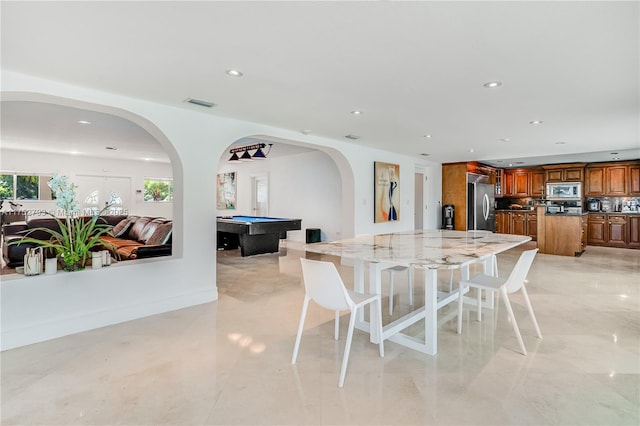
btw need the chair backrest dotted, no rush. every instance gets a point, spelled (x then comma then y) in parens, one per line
(520, 271)
(323, 284)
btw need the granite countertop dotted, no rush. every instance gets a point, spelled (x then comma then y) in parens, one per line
(566, 214)
(627, 212)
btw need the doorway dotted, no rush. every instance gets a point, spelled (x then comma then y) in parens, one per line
(260, 196)
(419, 206)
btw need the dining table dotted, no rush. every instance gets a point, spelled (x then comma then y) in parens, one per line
(430, 250)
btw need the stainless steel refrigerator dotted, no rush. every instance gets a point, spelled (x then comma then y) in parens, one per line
(481, 213)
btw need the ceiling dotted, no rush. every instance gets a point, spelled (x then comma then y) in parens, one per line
(416, 71)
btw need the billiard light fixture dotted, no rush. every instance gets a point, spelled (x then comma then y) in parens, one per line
(259, 154)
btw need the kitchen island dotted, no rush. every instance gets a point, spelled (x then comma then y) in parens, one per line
(562, 234)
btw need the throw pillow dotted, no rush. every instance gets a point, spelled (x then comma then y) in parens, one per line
(121, 227)
(161, 234)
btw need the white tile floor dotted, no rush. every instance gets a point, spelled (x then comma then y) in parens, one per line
(228, 362)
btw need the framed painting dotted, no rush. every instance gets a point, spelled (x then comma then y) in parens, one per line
(226, 191)
(387, 192)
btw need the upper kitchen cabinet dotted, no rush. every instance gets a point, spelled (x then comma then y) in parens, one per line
(564, 172)
(616, 180)
(522, 183)
(595, 182)
(515, 183)
(536, 183)
(634, 180)
(613, 179)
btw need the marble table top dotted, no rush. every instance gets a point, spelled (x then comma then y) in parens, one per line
(428, 249)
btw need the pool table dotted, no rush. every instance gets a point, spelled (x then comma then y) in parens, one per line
(255, 235)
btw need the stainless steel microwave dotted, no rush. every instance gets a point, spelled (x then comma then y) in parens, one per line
(564, 191)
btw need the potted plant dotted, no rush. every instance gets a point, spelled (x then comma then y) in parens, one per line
(77, 236)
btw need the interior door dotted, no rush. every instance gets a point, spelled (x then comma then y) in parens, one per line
(96, 192)
(418, 213)
(261, 196)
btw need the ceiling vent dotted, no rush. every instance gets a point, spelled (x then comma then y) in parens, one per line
(352, 137)
(200, 103)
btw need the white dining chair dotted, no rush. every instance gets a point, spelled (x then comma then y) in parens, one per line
(392, 271)
(505, 286)
(494, 269)
(324, 285)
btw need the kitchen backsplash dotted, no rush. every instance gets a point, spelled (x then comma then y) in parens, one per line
(617, 204)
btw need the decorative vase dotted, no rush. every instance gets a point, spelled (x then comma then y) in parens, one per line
(50, 266)
(73, 266)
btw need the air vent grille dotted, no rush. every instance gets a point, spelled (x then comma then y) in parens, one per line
(201, 103)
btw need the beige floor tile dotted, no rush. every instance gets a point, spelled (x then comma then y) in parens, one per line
(229, 362)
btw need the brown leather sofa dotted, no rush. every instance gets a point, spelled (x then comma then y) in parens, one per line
(132, 237)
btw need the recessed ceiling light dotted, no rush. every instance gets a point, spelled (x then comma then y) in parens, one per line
(111, 148)
(498, 161)
(492, 84)
(519, 162)
(510, 164)
(147, 159)
(74, 152)
(471, 150)
(234, 73)
(356, 112)
(427, 136)
(536, 122)
(352, 137)
(615, 153)
(615, 158)
(505, 139)
(305, 131)
(561, 143)
(83, 122)
(424, 154)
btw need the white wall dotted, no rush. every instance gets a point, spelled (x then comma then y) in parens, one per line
(44, 307)
(305, 186)
(26, 162)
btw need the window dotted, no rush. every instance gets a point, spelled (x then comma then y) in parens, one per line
(25, 187)
(158, 190)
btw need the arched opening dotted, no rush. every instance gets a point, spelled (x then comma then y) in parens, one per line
(307, 181)
(100, 185)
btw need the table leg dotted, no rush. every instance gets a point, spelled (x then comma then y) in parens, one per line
(375, 287)
(358, 286)
(431, 311)
(488, 269)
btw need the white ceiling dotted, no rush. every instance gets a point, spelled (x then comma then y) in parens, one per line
(413, 68)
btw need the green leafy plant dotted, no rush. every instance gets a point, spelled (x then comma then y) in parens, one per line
(77, 236)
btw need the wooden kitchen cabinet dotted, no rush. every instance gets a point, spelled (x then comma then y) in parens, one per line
(634, 180)
(521, 183)
(517, 183)
(617, 230)
(508, 183)
(616, 180)
(633, 223)
(454, 187)
(613, 179)
(563, 235)
(536, 183)
(595, 182)
(503, 220)
(532, 225)
(614, 230)
(597, 229)
(518, 223)
(564, 172)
